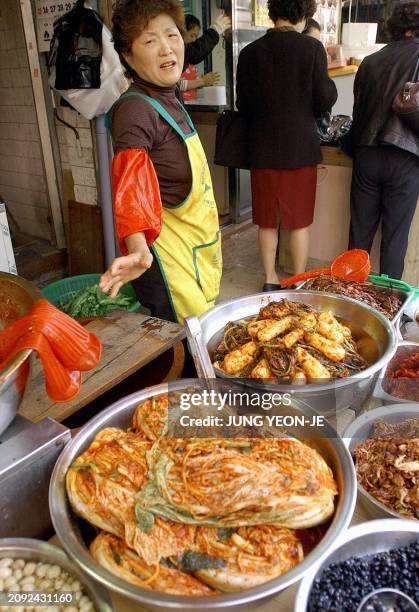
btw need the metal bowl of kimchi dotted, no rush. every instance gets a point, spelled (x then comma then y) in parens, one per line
(381, 442)
(97, 561)
(374, 335)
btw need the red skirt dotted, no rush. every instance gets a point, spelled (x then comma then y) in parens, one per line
(287, 195)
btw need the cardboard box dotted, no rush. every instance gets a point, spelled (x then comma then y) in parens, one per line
(7, 257)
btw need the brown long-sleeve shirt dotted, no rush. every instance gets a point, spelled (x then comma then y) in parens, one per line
(137, 125)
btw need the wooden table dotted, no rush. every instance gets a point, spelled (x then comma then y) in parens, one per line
(129, 342)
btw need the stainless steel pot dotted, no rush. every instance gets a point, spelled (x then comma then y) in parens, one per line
(68, 526)
(404, 351)
(365, 539)
(36, 550)
(334, 395)
(360, 430)
(20, 294)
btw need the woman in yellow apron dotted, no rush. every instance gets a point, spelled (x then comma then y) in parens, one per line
(165, 214)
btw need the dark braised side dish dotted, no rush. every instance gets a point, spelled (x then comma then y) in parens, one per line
(387, 467)
(381, 298)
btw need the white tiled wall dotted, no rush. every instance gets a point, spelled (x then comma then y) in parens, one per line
(22, 179)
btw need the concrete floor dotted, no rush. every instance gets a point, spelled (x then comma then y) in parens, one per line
(242, 270)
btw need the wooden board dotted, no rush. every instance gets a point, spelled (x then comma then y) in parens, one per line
(85, 239)
(129, 341)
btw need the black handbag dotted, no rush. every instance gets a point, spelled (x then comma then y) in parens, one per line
(231, 145)
(331, 130)
(406, 103)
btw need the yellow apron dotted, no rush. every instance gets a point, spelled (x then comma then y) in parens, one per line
(188, 249)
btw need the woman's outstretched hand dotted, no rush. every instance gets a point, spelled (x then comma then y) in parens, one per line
(126, 268)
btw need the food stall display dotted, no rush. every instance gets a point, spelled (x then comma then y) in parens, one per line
(384, 444)
(201, 515)
(400, 379)
(387, 300)
(289, 341)
(374, 335)
(38, 574)
(387, 464)
(370, 557)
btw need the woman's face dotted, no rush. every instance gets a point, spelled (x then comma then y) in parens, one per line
(192, 34)
(157, 53)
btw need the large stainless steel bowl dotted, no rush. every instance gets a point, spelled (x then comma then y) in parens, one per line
(359, 541)
(36, 550)
(16, 298)
(68, 526)
(361, 429)
(336, 394)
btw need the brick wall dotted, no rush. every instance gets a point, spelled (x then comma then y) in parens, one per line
(22, 180)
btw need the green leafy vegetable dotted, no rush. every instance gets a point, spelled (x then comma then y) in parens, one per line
(145, 519)
(194, 561)
(92, 302)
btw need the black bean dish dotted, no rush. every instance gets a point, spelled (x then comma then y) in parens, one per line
(342, 586)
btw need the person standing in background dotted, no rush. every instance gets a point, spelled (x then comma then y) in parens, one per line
(282, 84)
(312, 28)
(199, 48)
(190, 80)
(385, 178)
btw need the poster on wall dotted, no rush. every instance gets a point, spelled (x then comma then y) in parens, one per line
(261, 14)
(47, 11)
(327, 14)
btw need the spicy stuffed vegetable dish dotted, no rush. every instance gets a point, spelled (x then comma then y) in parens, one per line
(294, 343)
(199, 516)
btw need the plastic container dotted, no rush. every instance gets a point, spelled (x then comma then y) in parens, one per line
(63, 290)
(380, 392)
(353, 265)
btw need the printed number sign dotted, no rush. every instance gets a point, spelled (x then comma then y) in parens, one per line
(47, 11)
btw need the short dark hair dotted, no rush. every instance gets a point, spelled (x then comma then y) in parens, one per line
(404, 18)
(312, 24)
(291, 10)
(130, 18)
(191, 22)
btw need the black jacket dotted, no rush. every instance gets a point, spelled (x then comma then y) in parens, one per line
(197, 51)
(282, 83)
(379, 78)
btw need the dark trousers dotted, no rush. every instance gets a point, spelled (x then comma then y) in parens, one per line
(385, 186)
(152, 292)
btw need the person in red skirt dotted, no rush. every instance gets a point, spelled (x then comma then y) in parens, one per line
(282, 85)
